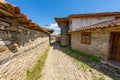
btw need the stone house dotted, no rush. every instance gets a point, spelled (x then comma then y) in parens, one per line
(95, 33)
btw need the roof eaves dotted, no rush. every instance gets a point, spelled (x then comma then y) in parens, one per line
(6, 13)
(94, 14)
(62, 19)
(99, 25)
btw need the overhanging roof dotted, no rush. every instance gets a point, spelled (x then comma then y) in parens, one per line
(102, 14)
(112, 23)
(59, 20)
(9, 10)
(5, 13)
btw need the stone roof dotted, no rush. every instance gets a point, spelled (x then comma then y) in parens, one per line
(112, 23)
(8, 10)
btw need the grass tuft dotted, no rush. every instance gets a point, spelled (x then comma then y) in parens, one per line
(90, 56)
(35, 72)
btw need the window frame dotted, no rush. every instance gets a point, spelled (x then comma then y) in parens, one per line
(84, 36)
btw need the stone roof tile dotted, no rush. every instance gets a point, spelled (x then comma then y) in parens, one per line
(9, 10)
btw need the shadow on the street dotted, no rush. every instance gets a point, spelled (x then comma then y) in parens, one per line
(101, 67)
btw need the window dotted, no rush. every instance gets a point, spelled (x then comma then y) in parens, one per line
(86, 38)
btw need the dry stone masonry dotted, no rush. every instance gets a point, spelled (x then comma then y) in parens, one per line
(99, 42)
(22, 42)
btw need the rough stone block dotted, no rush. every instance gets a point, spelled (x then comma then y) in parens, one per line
(2, 27)
(5, 42)
(3, 48)
(4, 23)
(20, 30)
(3, 34)
(65, 40)
(11, 28)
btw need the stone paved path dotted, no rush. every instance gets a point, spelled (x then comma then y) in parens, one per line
(60, 66)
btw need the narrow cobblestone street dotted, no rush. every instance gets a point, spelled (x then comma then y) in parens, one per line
(60, 66)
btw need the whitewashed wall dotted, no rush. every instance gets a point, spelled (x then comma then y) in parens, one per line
(83, 22)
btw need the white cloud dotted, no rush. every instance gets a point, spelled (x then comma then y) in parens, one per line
(2, 1)
(54, 26)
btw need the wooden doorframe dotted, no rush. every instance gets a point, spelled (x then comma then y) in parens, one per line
(70, 40)
(111, 44)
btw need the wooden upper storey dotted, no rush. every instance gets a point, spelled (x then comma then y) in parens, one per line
(78, 21)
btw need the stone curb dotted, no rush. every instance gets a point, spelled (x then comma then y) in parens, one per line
(111, 65)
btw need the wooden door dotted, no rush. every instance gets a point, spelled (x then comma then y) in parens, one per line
(115, 55)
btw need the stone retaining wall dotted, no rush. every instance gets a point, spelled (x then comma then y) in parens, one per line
(16, 67)
(22, 42)
(20, 48)
(17, 38)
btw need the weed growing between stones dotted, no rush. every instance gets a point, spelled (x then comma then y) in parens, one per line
(96, 75)
(35, 72)
(90, 56)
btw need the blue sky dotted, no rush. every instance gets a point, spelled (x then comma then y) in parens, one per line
(43, 11)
